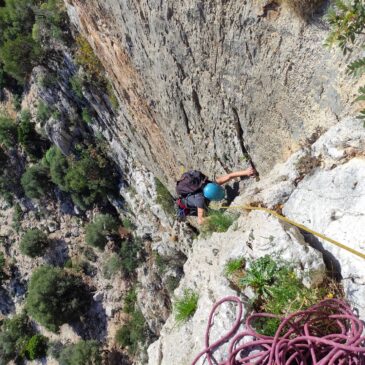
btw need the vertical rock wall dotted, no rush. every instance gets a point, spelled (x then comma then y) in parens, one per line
(201, 82)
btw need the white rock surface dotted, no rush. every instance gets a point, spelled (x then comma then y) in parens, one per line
(254, 235)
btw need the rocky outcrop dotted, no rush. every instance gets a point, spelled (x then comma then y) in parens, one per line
(320, 186)
(252, 236)
(200, 84)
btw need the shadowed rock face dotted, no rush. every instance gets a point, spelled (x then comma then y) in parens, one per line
(201, 82)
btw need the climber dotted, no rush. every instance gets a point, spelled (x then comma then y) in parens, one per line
(195, 191)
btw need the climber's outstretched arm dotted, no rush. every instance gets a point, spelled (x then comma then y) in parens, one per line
(200, 215)
(224, 179)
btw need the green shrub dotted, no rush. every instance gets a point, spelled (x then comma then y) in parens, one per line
(44, 112)
(112, 266)
(130, 301)
(28, 137)
(8, 132)
(36, 347)
(17, 218)
(133, 334)
(36, 181)
(130, 253)
(81, 353)
(76, 83)
(186, 306)
(98, 230)
(19, 56)
(90, 178)
(162, 263)
(2, 266)
(347, 21)
(34, 243)
(86, 116)
(217, 222)
(112, 97)
(164, 198)
(127, 223)
(56, 297)
(233, 265)
(58, 167)
(278, 291)
(14, 336)
(172, 282)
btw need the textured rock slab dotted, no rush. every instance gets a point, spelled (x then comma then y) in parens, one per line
(333, 202)
(252, 236)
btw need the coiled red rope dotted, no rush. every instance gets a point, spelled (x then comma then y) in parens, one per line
(327, 333)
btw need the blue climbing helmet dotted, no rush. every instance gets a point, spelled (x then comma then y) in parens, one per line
(213, 191)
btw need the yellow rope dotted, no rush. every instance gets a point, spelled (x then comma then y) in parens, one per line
(304, 228)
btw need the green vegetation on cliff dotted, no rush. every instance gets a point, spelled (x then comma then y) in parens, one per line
(56, 297)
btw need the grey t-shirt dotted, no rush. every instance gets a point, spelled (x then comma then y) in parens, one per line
(196, 201)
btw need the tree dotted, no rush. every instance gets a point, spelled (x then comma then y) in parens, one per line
(19, 56)
(15, 334)
(36, 181)
(36, 347)
(34, 243)
(98, 230)
(81, 353)
(8, 132)
(56, 297)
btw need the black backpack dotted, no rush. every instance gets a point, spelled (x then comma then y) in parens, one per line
(190, 182)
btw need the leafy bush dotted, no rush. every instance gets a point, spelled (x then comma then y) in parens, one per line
(278, 291)
(98, 230)
(34, 243)
(36, 181)
(76, 83)
(130, 253)
(186, 306)
(90, 178)
(133, 334)
(130, 301)
(28, 137)
(347, 21)
(86, 116)
(81, 353)
(112, 266)
(14, 336)
(2, 266)
(56, 297)
(112, 97)
(217, 221)
(8, 132)
(36, 347)
(58, 167)
(164, 198)
(44, 112)
(17, 218)
(19, 56)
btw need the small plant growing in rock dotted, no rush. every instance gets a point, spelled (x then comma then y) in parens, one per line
(36, 347)
(97, 231)
(164, 198)
(278, 291)
(81, 353)
(186, 305)
(217, 221)
(112, 266)
(234, 271)
(34, 243)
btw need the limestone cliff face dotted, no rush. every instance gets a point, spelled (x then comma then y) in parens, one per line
(201, 83)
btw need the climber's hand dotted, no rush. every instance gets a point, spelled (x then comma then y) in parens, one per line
(250, 171)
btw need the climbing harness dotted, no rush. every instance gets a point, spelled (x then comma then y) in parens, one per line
(327, 333)
(300, 226)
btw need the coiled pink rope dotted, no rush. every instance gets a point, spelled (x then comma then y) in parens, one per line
(327, 333)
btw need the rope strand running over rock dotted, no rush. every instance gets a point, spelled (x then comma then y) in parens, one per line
(327, 333)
